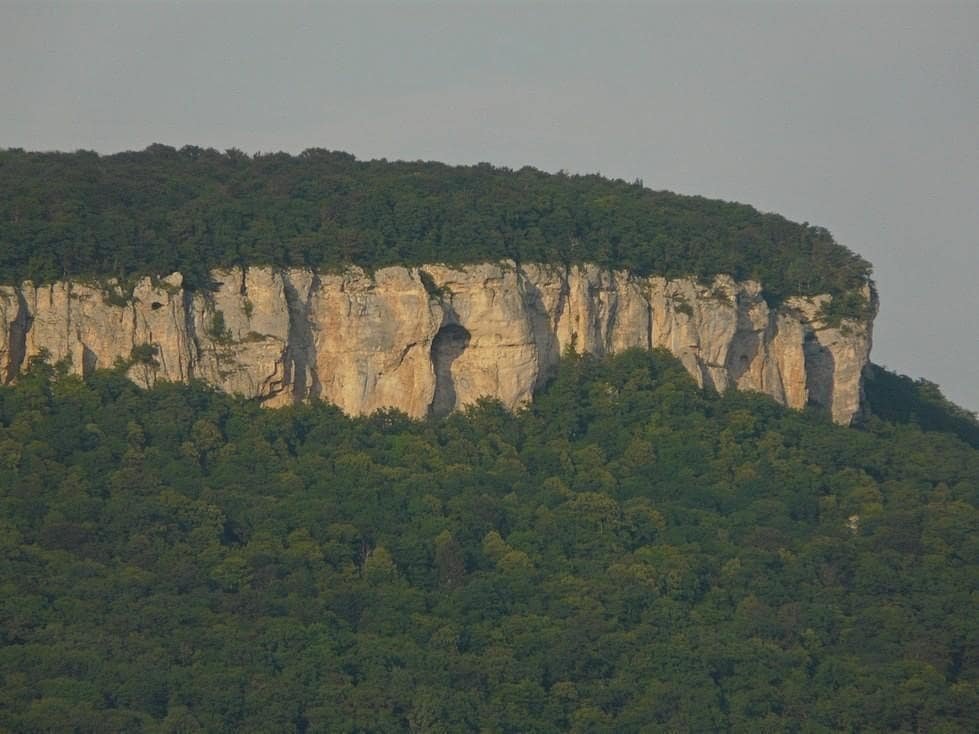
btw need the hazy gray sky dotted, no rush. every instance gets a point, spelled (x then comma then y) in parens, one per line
(860, 117)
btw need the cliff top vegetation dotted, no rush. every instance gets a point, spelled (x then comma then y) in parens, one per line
(161, 210)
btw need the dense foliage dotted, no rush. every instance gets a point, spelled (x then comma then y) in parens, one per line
(901, 399)
(160, 210)
(628, 554)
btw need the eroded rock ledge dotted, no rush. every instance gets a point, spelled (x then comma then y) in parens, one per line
(431, 339)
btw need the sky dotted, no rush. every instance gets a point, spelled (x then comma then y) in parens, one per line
(861, 117)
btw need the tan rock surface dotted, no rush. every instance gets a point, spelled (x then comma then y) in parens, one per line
(372, 339)
(432, 339)
(486, 344)
(242, 331)
(160, 318)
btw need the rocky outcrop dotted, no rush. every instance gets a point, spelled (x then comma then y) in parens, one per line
(431, 339)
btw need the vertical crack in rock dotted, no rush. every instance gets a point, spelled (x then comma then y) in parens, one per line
(611, 319)
(648, 337)
(193, 342)
(542, 328)
(447, 346)
(300, 336)
(17, 339)
(299, 287)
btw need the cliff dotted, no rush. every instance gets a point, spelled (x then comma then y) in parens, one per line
(431, 339)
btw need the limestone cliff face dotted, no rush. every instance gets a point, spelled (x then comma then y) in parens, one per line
(431, 339)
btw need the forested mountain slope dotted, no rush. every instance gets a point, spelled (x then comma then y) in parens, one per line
(629, 553)
(161, 210)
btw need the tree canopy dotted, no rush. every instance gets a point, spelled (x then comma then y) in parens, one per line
(628, 554)
(161, 210)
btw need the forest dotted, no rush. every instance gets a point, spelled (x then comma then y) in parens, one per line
(627, 554)
(160, 210)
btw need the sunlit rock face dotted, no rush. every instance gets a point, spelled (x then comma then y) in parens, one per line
(430, 340)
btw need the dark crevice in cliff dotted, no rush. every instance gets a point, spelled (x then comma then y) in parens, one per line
(447, 346)
(17, 345)
(649, 337)
(187, 303)
(543, 329)
(820, 372)
(300, 361)
(745, 346)
(611, 321)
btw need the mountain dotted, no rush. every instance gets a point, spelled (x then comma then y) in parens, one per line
(545, 453)
(420, 287)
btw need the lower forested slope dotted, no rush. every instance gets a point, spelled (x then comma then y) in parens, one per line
(628, 554)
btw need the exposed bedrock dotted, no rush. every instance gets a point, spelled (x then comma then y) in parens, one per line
(432, 339)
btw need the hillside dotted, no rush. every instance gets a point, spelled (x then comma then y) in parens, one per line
(161, 210)
(549, 453)
(628, 553)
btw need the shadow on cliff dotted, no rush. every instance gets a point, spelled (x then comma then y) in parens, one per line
(300, 362)
(543, 327)
(447, 346)
(743, 351)
(820, 373)
(18, 338)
